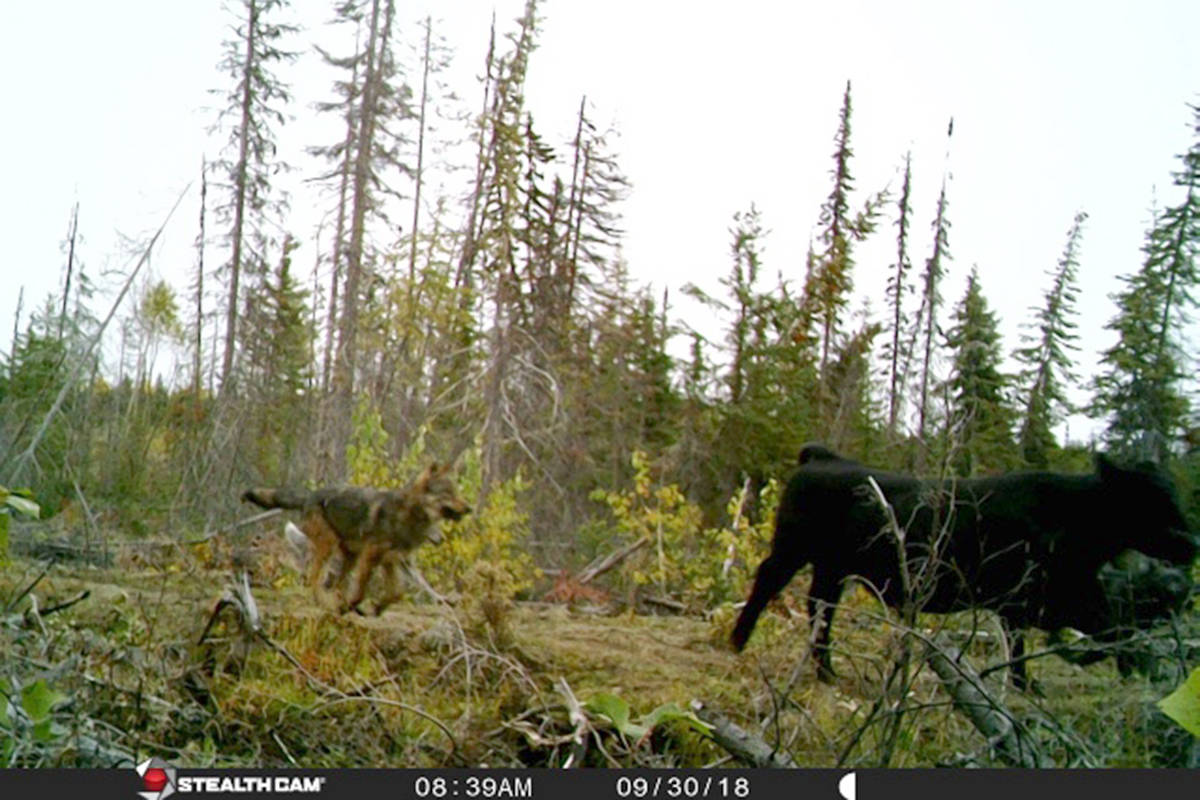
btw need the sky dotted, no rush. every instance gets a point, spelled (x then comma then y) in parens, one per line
(1058, 107)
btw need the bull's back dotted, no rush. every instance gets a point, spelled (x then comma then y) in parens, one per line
(830, 507)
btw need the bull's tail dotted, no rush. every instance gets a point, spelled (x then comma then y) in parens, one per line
(773, 574)
(278, 498)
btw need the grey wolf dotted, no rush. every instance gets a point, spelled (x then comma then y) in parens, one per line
(1027, 545)
(368, 527)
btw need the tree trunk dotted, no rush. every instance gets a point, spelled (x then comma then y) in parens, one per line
(239, 213)
(62, 317)
(347, 348)
(198, 343)
(416, 217)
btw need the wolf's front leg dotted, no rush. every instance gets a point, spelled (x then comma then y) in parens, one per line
(391, 583)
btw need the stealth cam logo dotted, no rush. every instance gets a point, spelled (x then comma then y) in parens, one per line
(158, 777)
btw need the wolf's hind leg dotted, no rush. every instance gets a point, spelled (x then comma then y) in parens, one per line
(363, 565)
(335, 579)
(322, 549)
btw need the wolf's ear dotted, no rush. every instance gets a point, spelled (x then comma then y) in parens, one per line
(425, 476)
(456, 459)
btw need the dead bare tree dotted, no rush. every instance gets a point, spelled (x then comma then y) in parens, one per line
(26, 457)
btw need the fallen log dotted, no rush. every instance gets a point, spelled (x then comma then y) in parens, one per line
(741, 744)
(1007, 738)
(596, 569)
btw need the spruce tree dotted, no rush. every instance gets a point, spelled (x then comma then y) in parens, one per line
(282, 350)
(745, 303)
(1140, 388)
(747, 234)
(831, 277)
(981, 417)
(655, 403)
(434, 58)
(897, 290)
(72, 237)
(198, 287)
(767, 405)
(925, 325)
(852, 418)
(497, 240)
(591, 247)
(1046, 356)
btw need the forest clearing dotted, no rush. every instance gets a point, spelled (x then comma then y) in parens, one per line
(537, 684)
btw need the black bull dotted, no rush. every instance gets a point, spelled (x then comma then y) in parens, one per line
(1028, 546)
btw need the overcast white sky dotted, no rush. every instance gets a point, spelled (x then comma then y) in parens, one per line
(1058, 107)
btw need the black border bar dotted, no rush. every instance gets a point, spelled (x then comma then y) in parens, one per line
(604, 784)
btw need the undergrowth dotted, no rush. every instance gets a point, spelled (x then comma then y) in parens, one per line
(121, 674)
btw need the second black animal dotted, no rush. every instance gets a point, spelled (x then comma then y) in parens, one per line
(1027, 545)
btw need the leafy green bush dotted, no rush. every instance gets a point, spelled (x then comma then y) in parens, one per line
(27, 727)
(14, 501)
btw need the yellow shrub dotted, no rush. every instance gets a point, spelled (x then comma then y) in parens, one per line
(663, 517)
(703, 565)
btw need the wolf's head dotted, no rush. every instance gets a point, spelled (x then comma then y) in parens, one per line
(437, 494)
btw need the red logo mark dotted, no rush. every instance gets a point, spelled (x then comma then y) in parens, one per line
(155, 779)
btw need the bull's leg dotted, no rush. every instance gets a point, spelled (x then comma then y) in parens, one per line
(1016, 652)
(1016, 637)
(822, 602)
(773, 574)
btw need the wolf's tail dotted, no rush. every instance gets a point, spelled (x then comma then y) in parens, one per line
(278, 498)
